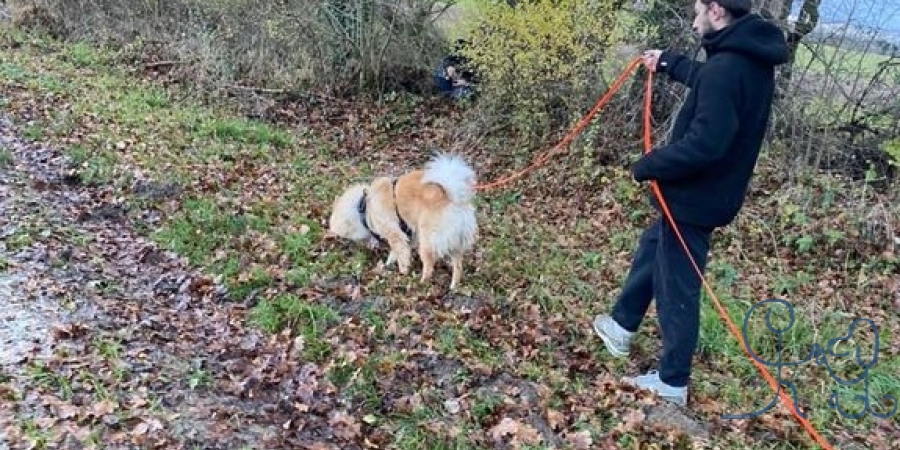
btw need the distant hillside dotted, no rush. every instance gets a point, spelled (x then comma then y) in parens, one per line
(853, 37)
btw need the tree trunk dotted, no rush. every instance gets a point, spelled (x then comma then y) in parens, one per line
(778, 12)
(806, 22)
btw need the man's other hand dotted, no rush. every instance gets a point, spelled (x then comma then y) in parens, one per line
(651, 59)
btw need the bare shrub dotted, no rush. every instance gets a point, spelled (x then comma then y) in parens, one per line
(35, 18)
(840, 112)
(347, 46)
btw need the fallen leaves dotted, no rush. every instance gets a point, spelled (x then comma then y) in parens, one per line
(631, 421)
(344, 425)
(516, 432)
(160, 358)
(68, 331)
(116, 371)
(103, 408)
(580, 440)
(145, 430)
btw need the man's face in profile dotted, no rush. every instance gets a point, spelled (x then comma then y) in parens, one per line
(702, 20)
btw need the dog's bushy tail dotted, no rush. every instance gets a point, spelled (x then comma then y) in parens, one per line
(453, 174)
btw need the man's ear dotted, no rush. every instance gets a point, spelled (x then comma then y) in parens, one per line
(718, 11)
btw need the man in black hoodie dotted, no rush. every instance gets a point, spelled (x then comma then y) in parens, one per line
(703, 174)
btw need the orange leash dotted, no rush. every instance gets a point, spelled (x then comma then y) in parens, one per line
(648, 146)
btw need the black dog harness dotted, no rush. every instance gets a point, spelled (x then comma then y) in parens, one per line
(361, 207)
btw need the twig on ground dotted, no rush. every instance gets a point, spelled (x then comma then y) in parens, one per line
(258, 90)
(156, 64)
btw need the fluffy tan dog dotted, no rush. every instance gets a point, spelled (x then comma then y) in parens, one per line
(430, 207)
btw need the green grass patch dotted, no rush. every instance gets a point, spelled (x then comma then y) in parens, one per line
(412, 436)
(14, 73)
(82, 55)
(44, 375)
(94, 168)
(837, 61)
(308, 320)
(6, 158)
(244, 131)
(19, 239)
(202, 227)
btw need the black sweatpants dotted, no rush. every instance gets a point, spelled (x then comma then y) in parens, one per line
(661, 270)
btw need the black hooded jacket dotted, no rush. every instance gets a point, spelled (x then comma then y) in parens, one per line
(705, 170)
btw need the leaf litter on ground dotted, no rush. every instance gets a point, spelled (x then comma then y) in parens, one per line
(159, 351)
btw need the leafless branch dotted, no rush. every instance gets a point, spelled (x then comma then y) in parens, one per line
(155, 64)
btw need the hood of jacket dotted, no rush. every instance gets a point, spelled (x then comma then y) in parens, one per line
(750, 35)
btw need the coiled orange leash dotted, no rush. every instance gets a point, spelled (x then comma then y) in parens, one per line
(648, 146)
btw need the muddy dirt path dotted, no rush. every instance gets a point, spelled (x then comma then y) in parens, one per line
(106, 339)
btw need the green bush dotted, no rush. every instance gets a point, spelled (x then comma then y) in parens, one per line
(540, 61)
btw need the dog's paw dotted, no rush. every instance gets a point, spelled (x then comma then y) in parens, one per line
(373, 243)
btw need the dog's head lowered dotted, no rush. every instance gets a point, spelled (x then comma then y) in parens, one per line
(345, 221)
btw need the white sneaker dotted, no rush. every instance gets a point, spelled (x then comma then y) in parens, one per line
(651, 381)
(616, 338)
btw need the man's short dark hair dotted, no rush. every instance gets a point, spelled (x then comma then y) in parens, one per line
(737, 8)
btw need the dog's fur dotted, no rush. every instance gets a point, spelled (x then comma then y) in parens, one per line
(436, 203)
